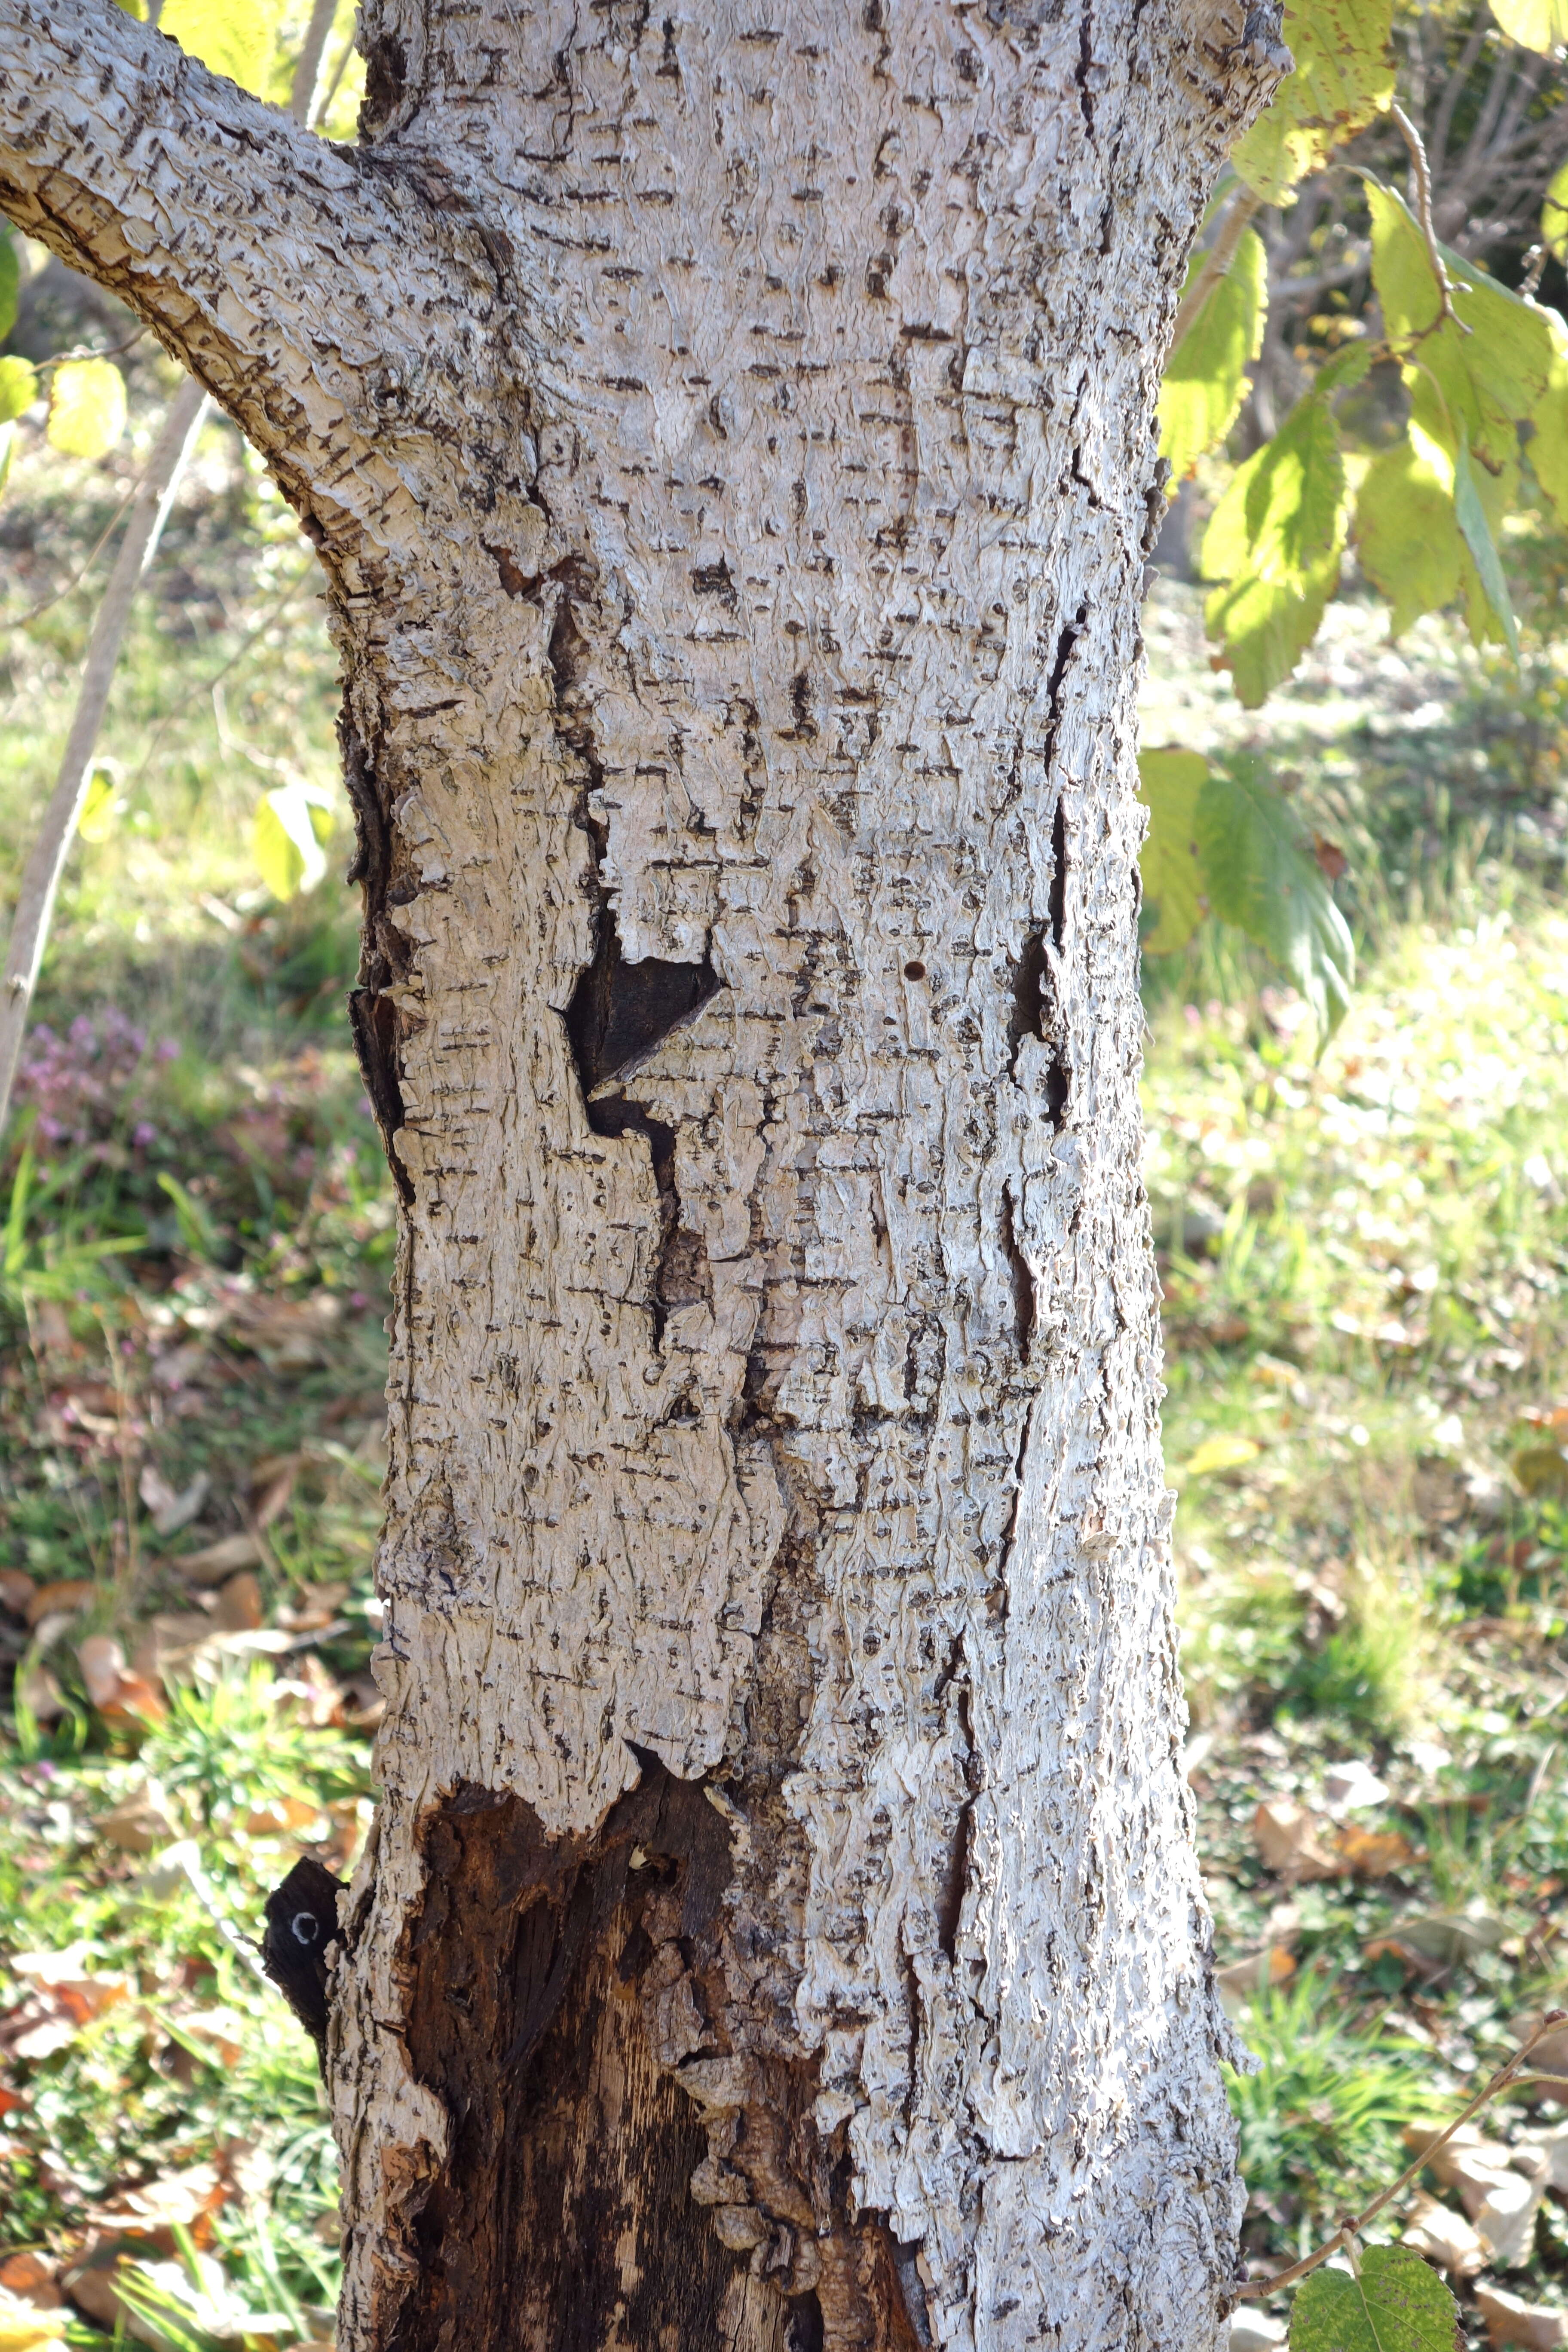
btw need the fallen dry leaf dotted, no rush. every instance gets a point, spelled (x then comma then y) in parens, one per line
(63, 1595)
(16, 1589)
(1499, 2196)
(139, 1823)
(119, 1695)
(31, 2280)
(282, 1817)
(174, 2200)
(171, 1508)
(1237, 1983)
(39, 1693)
(1449, 2238)
(271, 1486)
(1510, 2320)
(1375, 1853)
(216, 1561)
(239, 1609)
(1293, 1842)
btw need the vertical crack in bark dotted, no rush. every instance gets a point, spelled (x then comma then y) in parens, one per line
(383, 953)
(1023, 1300)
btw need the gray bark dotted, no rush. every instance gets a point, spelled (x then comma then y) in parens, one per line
(730, 443)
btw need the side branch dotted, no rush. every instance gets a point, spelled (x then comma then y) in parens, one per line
(281, 270)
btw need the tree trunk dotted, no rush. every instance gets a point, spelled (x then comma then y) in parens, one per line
(730, 447)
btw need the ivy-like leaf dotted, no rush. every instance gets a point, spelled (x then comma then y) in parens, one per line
(1344, 75)
(1538, 25)
(1472, 518)
(10, 281)
(231, 37)
(87, 408)
(1174, 901)
(1262, 876)
(1207, 380)
(19, 386)
(1275, 541)
(1398, 2304)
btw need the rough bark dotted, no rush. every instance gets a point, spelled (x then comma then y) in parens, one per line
(729, 444)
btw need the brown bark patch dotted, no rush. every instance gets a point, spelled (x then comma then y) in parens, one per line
(563, 2220)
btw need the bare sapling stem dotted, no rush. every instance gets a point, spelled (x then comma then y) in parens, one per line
(1507, 2075)
(46, 863)
(149, 506)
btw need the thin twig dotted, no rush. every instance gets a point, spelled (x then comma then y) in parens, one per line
(1423, 177)
(1255, 2290)
(91, 352)
(1216, 261)
(24, 620)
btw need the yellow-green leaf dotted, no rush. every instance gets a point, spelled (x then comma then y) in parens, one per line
(1344, 75)
(100, 806)
(86, 407)
(232, 37)
(1539, 25)
(283, 841)
(1174, 900)
(1470, 515)
(19, 387)
(1555, 214)
(1275, 542)
(1491, 378)
(1206, 379)
(1225, 1452)
(1407, 534)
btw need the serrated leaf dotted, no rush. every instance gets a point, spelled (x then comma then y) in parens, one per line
(1343, 77)
(19, 387)
(1538, 25)
(1275, 541)
(100, 806)
(87, 408)
(1407, 534)
(1470, 515)
(283, 842)
(1398, 2304)
(230, 37)
(10, 281)
(1206, 379)
(1174, 898)
(1261, 875)
(1491, 379)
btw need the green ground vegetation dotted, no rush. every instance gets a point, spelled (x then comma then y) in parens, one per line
(1365, 1258)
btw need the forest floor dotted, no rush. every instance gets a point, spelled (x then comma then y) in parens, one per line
(1365, 1259)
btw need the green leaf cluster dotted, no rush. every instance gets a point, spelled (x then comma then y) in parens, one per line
(1224, 841)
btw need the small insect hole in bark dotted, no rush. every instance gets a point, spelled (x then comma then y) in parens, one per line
(914, 969)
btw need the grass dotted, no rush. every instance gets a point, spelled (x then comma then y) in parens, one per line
(1364, 1256)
